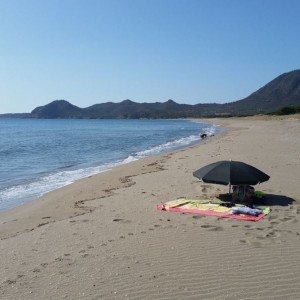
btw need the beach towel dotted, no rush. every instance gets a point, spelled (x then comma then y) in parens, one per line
(214, 207)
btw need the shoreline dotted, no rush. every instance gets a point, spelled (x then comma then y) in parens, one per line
(16, 192)
(37, 206)
(101, 237)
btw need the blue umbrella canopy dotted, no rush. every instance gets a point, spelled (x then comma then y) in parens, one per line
(231, 172)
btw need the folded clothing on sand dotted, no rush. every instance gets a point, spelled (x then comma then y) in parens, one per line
(247, 211)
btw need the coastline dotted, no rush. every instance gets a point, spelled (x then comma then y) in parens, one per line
(62, 160)
(105, 228)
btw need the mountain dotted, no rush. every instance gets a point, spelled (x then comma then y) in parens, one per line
(282, 91)
(128, 109)
(58, 109)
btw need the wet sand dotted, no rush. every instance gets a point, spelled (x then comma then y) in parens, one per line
(101, 237)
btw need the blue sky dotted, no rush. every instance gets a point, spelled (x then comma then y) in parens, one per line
(94, 51)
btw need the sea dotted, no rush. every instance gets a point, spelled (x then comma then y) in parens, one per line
(41, 155)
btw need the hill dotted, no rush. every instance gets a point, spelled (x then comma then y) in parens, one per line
(58, 109)
(282, 91)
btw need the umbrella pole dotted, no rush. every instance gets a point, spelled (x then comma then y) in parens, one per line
(229, 188)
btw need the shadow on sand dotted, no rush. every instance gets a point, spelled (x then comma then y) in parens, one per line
(267, 200)
(272, 200)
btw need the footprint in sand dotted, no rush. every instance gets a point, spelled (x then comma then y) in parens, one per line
(288, 218)
(9, 281)
(123, 221)
(274, 223)
(273, 218)
(42, 224)
(59, 259)
(216, 228)
(198, 217)
(273, 234)
(206, 226)
(252, 242)
(44, 265)
(212, 227)
(36, 270)
(248, 226)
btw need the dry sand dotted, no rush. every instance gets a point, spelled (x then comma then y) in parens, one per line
(101, 237)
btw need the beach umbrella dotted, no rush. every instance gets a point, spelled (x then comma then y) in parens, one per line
(231, 172)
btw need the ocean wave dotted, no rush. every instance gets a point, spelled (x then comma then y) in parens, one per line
(168, 146)
(18, 194)
(171, 145)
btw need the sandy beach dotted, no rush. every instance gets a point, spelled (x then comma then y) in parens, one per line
(101, 237)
